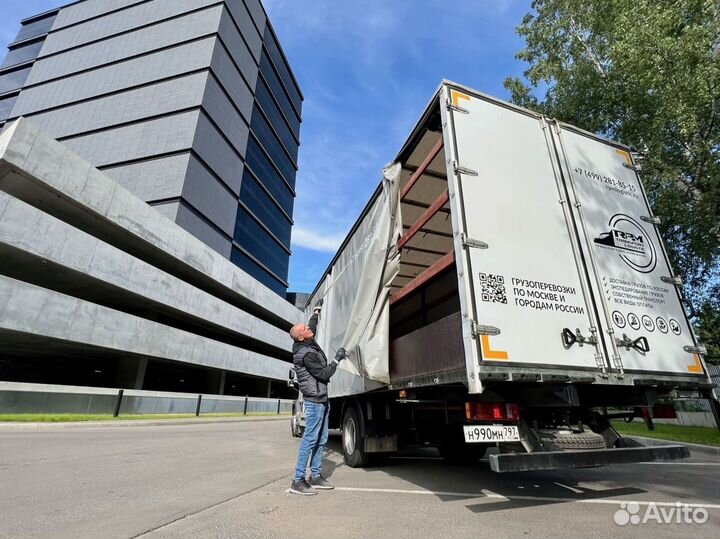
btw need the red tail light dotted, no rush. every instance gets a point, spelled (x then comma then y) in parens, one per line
(492, 411)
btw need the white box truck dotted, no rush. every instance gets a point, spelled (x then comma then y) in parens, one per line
(505, 286)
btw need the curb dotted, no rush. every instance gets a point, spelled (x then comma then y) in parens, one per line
(10, 425)
(694, 448)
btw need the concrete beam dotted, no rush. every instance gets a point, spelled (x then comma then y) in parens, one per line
(82, 264)
(80, 323)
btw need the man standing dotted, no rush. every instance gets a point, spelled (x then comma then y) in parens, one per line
(313, 374)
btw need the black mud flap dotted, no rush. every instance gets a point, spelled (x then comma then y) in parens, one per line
(551, 460)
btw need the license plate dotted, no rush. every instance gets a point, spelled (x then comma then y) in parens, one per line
(491, 433)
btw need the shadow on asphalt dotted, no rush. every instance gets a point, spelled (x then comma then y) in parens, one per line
(424, 468)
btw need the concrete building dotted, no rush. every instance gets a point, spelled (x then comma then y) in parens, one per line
(147, 172)
(99, 289)
(189, 104)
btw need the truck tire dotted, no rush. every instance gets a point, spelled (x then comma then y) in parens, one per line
(462, 453)
(296, 429)
(353, 442)
(561, 440)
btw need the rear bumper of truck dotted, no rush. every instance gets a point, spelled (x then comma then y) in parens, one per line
(550, 460)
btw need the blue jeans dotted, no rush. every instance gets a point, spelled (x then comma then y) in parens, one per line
(314, 439)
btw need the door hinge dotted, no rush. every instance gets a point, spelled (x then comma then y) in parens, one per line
(463, 170)
(699, 349)
(635, 167)
(479, 329)
(456, 108)
(655, 220)
(675, 281)
(470, 242)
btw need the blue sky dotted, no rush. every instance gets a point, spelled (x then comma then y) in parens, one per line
(367, 69)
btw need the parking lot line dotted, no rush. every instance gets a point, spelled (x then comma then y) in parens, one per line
(490, 494)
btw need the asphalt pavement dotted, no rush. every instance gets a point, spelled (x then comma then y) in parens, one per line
(231, 480)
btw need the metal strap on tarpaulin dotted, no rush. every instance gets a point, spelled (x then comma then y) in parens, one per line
(356, 292)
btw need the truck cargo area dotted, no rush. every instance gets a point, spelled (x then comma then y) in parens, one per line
(494, 312)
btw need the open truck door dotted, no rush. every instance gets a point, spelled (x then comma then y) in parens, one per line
(525, 297)
(646, 328)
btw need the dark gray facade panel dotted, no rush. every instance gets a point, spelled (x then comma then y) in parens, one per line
(6, 105)
(143, 70)
(256, 11)
(276, 88)
(207, 195)
(154, 179)
(87, 10)
(138, 141)
(264, 208)
(13, 80)
(203, 231)
(231, 81)
(242, 18)
(133, 105)
(278, 59)
(115, 23)
(238, 50)
(254, 269)
(218, 154)
(164, 34)
(169, 209)
(259, 243)
(217, 105)
(36, 28)
(23, 53)
(277, 119)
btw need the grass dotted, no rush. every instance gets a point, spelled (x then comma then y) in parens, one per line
(66, 418)
(678, 433)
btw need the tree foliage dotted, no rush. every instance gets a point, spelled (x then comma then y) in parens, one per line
(646, 72)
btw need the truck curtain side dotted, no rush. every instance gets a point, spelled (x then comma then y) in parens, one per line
(505, 285)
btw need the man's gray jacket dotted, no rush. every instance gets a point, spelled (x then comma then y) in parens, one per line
(311, 367)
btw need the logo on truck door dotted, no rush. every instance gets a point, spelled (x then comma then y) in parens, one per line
(630, 241)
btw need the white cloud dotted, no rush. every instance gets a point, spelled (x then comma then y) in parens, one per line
(317, 241)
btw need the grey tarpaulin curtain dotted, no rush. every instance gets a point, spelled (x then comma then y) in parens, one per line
(356, 310)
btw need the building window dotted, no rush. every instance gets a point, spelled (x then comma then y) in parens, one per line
(259, 243)
(258, 162)
(260, 203)
(247, 264)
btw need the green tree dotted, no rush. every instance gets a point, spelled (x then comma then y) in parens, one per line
(646, 72)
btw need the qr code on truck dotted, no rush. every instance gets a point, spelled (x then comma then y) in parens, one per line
(493, 288)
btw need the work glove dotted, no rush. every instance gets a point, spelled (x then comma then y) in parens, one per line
(318, 306)
(340, 355)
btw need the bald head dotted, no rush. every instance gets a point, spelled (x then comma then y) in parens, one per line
(301, 332)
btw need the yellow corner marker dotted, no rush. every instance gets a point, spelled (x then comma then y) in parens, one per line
(697, 366)
(625, 155)
(491, 354)
(457, 96)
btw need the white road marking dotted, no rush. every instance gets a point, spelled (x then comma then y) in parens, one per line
(571, 489)
(489, 494)
(683, 463)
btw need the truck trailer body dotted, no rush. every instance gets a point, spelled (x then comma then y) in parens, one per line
(505, 285)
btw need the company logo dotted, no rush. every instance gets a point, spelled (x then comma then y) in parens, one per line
(629, 240)
(678, 513)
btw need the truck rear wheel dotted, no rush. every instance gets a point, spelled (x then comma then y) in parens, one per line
(352, 440)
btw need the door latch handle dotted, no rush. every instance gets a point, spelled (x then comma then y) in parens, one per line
(640, 344)
(569, 338)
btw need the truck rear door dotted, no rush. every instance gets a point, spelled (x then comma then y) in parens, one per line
(632, 278)
(521, 275)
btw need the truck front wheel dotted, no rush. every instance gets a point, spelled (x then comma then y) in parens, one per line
(352, 440)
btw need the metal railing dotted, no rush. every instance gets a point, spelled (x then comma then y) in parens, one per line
(20, 398)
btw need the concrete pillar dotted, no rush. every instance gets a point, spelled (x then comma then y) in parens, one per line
(269, 388)
(131, 372)
(222, 383)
